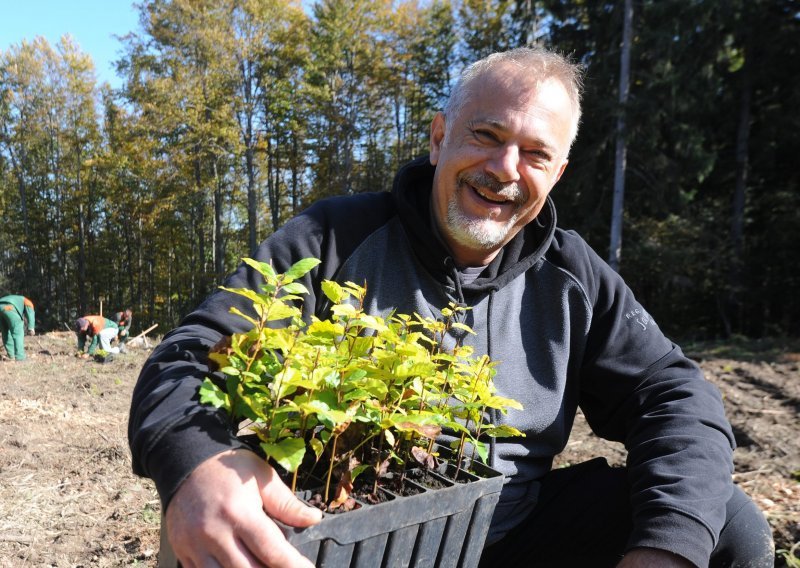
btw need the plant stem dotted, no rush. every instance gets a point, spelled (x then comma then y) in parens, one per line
(330, 468)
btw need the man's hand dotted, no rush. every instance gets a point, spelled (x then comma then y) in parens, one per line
(216, 517)
(653, 558)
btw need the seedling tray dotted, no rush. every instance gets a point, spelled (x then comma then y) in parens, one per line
(443, 528)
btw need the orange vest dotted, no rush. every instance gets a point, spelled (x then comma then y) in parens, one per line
(96, 323)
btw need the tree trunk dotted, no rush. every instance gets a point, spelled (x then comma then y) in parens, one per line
(617, 208)
(219, 245)
(735, 279)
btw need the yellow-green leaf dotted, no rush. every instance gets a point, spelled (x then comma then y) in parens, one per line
(288, 453)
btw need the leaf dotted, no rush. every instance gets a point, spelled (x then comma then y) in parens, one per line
(241, 314)
(332, 291)
(482, 450)
(343, 310)
(295, 288)
(503, 402)
(358, 470)
(246, 292)
(300, 268)
(288, 453)
(264, 268)
(317, 447)
(211, 394)
(463, 327)
(423, 457)
(325, 328)
(389, 437)
(279, 311)
(218, 359)
(430, 431)
(502, 431)
(343, 491)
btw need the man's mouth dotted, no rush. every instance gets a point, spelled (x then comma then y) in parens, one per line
(490, 196)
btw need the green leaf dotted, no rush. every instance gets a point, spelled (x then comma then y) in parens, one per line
(317, 447)
(300, 268)
(358, 470)
(279, 311)
(211, 394)
(295, 288)
(246, 292)
(287, 453)
(502, 431)
(264, 268)
(482, 450)
(503, 402)
(332, 291)
(463, 327)
(239, 313)
(343, 310)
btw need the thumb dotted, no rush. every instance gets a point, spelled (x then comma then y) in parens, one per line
(281, 504)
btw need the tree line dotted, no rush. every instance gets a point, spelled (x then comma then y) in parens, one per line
(234, 115)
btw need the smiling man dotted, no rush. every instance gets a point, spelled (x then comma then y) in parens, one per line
(473, 224)
(497, 158)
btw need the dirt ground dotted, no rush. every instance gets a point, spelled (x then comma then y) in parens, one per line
(69, 499)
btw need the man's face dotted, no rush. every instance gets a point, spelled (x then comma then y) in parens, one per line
(495, 165)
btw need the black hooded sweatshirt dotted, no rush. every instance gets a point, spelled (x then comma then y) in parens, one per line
(565, 328)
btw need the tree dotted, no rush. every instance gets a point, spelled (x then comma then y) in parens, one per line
(615, 246)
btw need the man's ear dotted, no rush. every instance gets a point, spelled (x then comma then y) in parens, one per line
(561, 171)
(437, 137)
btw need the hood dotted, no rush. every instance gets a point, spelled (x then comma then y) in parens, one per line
(412, 194)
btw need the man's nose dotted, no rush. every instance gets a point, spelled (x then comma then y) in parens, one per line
(504, 163)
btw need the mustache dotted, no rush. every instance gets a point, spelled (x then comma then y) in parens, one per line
(479, 179)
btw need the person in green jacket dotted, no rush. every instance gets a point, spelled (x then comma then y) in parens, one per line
(99, 331)
(124, 320)
(14, 312)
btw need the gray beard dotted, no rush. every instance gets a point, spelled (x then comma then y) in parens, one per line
(483, 234)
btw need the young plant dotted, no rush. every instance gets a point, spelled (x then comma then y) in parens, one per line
(351, 393)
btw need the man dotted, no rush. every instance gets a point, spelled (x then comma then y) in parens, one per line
(473, 223)
(124, 320)
(99, 330)
(14, 312)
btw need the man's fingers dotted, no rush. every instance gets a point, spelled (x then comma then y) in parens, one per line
(280, 503)
(278, 553)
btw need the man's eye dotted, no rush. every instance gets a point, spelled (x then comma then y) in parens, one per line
(539, 154)
(485, 135)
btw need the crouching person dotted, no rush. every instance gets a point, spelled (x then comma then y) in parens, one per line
(99, 331)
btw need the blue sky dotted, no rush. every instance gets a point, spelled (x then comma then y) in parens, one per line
(91, 23)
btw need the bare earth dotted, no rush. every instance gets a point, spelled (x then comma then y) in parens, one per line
(69, 499)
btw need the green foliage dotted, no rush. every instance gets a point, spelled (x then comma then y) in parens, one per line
(790, 557)
(358, 390)
(236, 114)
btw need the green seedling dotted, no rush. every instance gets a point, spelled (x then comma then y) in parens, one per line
(354, 392)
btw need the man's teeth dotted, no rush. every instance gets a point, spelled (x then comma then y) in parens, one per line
(490, 197)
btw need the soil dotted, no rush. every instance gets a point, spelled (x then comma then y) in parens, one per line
(68, 497)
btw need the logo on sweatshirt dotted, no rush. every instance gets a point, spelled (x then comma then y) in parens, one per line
(641, 317)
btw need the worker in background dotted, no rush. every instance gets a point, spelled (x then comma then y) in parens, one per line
(15, 312)
(101, 331)
(124, 320)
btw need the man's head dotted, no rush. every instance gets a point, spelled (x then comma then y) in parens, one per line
(81, 325)
(500, 146)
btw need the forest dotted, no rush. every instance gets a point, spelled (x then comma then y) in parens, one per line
(233, 115)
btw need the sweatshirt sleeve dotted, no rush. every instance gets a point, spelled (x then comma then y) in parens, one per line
(169, 431)
(638, 388)
(94, 343)
(30, 314)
